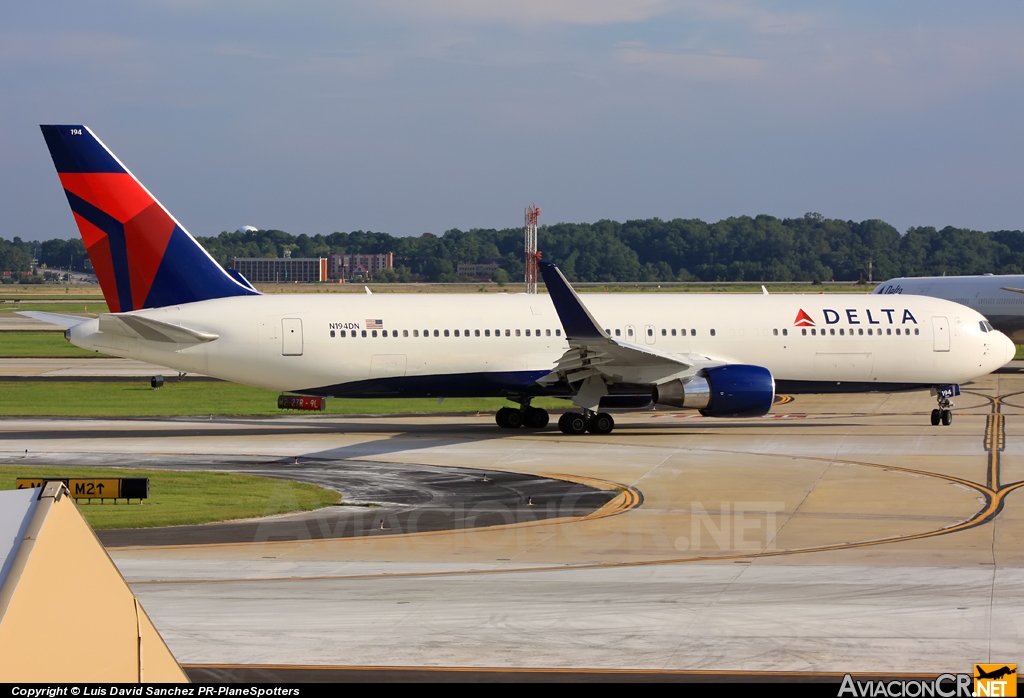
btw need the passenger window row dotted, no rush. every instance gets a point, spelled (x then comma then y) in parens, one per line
(860, 331)
(446, 333)
(617, 333)
(665, 333)
(650, 332)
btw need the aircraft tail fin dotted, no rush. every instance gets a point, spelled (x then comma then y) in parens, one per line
(142, 256)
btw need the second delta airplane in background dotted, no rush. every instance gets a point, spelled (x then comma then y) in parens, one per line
(999, 297)
(725, 355)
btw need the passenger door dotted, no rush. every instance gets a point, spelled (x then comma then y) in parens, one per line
(940, 334)
(630, 334)
(649, 334)
(291, 337)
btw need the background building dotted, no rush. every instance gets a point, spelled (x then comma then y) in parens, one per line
(346, 267)
(284, 270)
(481, 270)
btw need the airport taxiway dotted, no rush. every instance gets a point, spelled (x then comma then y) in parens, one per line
(838, 533)
(101, 368)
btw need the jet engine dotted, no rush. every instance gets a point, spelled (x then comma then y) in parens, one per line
(736, 390)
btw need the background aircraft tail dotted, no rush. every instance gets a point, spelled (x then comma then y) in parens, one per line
(142, 256)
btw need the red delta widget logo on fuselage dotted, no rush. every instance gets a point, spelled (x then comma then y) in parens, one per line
(853, 317)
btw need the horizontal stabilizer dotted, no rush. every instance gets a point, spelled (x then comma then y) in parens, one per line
(154, 330)
(55, 318)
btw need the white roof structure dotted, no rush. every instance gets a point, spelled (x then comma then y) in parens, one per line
(16, 509)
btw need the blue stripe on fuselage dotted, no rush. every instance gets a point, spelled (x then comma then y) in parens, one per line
(826, 387)
(523, 383)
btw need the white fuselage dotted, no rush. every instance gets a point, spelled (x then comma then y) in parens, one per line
(309, 342)
(987, 294)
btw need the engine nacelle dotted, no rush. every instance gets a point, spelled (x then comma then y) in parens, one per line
(737, 390)
(695, 393)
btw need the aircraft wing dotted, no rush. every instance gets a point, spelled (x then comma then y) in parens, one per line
(621, 363)
(140, 327)
(55, 318)
(597, 359)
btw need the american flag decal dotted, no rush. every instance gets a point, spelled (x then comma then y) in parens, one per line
(375, 324)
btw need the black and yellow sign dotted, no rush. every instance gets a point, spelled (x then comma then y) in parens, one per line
(995, 680)
(27, 483)
(94, 487)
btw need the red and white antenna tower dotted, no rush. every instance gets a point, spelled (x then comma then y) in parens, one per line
(532, 255)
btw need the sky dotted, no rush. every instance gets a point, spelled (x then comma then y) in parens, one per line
(413, 116)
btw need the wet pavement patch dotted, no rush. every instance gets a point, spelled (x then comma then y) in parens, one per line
(378, 499)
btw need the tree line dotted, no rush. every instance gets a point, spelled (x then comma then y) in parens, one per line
(762, 248)
(16, 255)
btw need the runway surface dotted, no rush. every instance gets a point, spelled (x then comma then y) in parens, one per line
(839, 533)
(100, 368)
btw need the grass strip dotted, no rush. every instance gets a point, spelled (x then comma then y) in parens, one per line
(66, 308)
(12, 293)
(43, 345)
(185, 497)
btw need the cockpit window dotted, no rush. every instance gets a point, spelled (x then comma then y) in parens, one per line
(986, 326)
(982, 324)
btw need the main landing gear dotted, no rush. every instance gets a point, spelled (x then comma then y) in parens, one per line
(568, 423)
(594, 422)
(942, 414)
(526, 416)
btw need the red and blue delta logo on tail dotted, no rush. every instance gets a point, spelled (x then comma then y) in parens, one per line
(142, 257)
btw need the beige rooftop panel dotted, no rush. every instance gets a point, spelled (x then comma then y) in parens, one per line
(66, 614)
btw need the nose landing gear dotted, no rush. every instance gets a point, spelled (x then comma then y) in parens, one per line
(942, 414)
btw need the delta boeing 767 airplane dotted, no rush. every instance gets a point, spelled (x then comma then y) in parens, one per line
(725, 355)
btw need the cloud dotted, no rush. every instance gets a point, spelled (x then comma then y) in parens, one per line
(700, 67)
(913, 68)
(241, 51)
(747, 13)
(355, 64)
(531, 11)
(61, 47)
(594, 12)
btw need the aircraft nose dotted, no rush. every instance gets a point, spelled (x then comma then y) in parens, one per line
(1010, 348)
